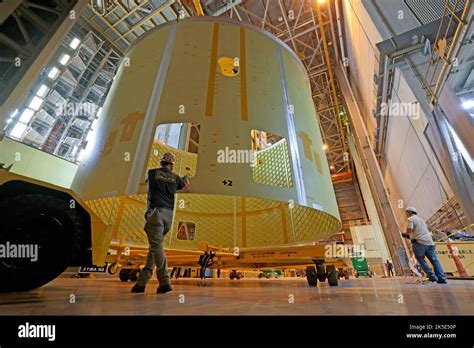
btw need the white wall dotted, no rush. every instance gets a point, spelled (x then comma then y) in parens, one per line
(364, 235)
(412, 173)
(363, 55)
(418, 177)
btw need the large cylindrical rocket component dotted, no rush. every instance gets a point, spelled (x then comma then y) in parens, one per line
(234, 81)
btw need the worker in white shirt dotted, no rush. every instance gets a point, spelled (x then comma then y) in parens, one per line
(423, 245)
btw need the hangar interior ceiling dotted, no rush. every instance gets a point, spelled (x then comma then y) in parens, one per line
(25, 28)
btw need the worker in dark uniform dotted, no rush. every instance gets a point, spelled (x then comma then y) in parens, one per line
(389, 268)
(162, 186)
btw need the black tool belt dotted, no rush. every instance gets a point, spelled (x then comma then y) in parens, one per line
(413, 240)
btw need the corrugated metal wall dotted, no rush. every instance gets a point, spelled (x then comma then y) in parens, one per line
(427, 11)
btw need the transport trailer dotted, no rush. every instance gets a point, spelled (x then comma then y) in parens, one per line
(130, 258)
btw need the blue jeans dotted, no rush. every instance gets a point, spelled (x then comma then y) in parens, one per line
(429, 251)
(158, 223)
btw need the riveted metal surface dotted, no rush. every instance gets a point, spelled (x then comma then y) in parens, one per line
(219, 219)
(272, 166)
(231, 204)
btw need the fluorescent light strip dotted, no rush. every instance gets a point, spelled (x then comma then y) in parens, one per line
(75, 43)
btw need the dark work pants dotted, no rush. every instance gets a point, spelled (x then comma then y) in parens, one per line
(158, 223)
(420, 251)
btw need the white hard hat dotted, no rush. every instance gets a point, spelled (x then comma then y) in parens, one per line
(168, 157)
(412, 209)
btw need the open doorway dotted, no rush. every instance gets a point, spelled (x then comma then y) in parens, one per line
(182, 140)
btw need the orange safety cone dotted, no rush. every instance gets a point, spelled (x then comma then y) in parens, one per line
(457, 261)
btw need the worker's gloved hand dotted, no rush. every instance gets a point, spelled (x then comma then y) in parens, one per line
(406, 235)
(186, 179)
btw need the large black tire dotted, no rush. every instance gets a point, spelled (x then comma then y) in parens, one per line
(124, 274)
(311, 276)
(320, 271)
(331, 273)
(133, 275)
(46, 223)
(112, 269)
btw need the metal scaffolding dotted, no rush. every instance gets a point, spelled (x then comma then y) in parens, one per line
(71, 91)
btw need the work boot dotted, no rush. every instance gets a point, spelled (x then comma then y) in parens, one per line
(442, 282)
(429, 281)
(162, 289)
(138, 288)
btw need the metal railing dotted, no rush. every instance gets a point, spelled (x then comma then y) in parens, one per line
(440, 61)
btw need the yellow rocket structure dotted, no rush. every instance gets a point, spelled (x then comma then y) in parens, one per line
(231, 79)
(244, 92)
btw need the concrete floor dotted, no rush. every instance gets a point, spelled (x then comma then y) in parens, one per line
(363, 296)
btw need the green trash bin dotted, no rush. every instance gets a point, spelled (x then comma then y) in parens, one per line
(360, 265)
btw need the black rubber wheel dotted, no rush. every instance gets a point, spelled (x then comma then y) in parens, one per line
(49, 227)
(331, 275)
(134, 274)
(112, 269)
(357, 274)
(123, 275)
(311, 276)
(232, 275)
(320, 272)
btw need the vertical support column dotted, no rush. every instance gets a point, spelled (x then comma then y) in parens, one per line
(292, 139)
(244, 224)
(374, 175)
(211, 83)
(369, 202)
(147, 131)
(448, 113)
(243, 77)
(234, 199)
(284, 226)
(118, 220)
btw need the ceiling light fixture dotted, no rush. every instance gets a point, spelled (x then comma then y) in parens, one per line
(18, 130)
(468, 103)
(26, 116)
(64, 59)
(53, 73)
(36, 103)
(75, 43)
(42, 91)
